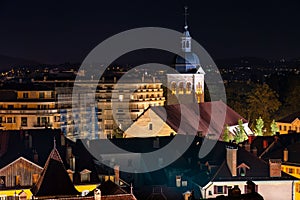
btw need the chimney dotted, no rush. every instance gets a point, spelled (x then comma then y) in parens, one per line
(117, 174)
(30, 141)
(68, 154)
(97, 194)
(153, 79)
(62, 139)
(115, 79)
(275, 167)
(254, 151)
(156, 143)
(72, 163)
(36, 157)
(103, 79)
(247, 147)
(250, 139)
(265, 144)
(231, 157)
(285, 155)
(143, 78)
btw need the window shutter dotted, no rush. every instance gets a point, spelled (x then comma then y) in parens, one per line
(225, 189)
(215, 190)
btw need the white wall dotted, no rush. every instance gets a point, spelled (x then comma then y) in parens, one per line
(270, 190)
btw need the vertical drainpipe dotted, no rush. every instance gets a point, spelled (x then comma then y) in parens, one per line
(293, 194)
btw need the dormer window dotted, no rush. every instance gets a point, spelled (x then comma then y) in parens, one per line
(242, 168)
(85, 175)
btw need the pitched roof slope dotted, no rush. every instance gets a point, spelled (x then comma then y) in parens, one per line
(290, 118)
(186, 119)
(54, 180)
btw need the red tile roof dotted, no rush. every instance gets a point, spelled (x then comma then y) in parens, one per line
(185, 118)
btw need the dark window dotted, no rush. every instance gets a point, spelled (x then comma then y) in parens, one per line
(25, 95)
(23, 121)
(24, 106)
(150, 126)
(41, 95)
(9, 120)
(10, 106)
(2, 181)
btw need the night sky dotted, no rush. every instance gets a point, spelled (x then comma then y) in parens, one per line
(56, 31)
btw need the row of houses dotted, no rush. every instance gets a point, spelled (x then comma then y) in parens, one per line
(48, 167)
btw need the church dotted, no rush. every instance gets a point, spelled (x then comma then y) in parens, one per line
(187, 84)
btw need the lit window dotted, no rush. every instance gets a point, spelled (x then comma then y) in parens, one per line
(17, 180)
(35, 178)
(85, 175)
(173, 87)
(181, 88)
(188, 88)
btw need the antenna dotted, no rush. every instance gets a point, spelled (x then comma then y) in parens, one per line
(185, 17)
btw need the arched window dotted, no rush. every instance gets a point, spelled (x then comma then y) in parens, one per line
(173, 87)
(187, 44)
(199, 89)
(181, 88)
(188, 87)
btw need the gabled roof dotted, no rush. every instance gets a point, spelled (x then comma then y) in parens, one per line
(54, 180)
(290, 118)
(20, 160)
(109, 188)
(258, 169)
(204, 119)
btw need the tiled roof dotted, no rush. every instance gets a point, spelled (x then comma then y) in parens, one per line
(186, 119)
(291, 142)
(54, 180)
(258, 169)
(109, 188)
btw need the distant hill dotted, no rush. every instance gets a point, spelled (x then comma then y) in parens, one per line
(7, 62)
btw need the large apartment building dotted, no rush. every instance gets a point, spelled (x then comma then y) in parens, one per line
(103, 112)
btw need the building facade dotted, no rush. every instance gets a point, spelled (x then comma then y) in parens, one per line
(104, 112)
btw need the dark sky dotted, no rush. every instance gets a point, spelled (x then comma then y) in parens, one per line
(56, 31)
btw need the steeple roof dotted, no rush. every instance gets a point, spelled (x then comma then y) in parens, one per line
(54, 180)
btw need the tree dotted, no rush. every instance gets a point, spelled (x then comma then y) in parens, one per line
(274, 127)
(262, 101)
(239, 132)
(259, 127)
(225, 137)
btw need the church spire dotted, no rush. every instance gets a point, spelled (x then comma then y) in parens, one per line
(185, 17)
(186, 39)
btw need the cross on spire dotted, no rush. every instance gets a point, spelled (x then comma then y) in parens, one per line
(185, 17)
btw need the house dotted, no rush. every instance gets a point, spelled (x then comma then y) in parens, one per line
(56, 183)
(196, 119)
(54, 180)
(289, 123)
(19, 173)
(225, 166)
(284, 147)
